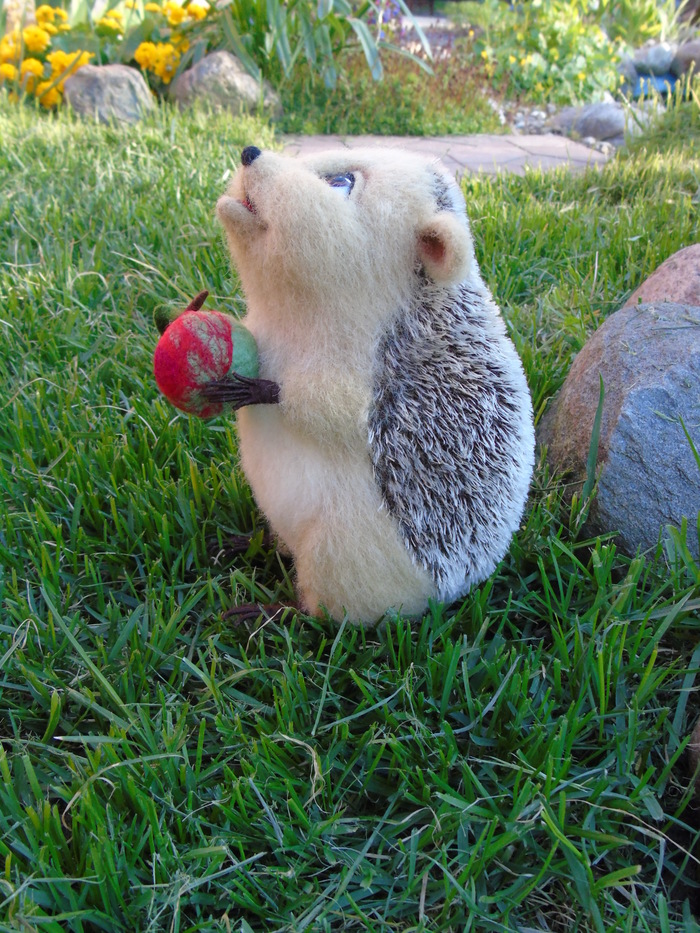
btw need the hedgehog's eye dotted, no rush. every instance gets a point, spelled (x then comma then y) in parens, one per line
(344, 183)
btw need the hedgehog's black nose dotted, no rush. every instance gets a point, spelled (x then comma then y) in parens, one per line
(250, 154)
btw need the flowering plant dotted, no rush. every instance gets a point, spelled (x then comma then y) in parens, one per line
(162, 34)
(270, 37)
(36, 60)
(33, 63)
(552, 50)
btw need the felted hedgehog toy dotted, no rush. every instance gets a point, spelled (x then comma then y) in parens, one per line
(393, 462)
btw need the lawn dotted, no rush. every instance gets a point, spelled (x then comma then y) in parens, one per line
(515, 762)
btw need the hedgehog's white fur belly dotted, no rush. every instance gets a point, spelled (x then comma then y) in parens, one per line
(325, 506)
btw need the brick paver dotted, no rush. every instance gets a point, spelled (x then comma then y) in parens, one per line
(484, 153)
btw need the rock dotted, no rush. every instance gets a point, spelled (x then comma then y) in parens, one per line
(626, 68)
(109, 92)
(605, 120)
(608, 146)
(530, 121)
(220, 81)
(687, 57)
(654, 58)
(677, 279)
(649, 358)
(690, 11)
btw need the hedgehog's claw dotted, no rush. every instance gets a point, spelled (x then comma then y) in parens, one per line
(237, 391)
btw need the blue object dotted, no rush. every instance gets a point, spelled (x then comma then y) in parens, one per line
(646, 85)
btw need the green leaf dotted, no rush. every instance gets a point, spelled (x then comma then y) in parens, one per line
(278, 27)
(592, 460)
(134, 38)
(369, 47)
(307, 35)
(237, 46)
(78, 13)
(405, 53)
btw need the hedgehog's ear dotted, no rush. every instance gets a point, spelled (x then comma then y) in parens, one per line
(445, 249)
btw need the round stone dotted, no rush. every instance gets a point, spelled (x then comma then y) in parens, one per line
(648, 357)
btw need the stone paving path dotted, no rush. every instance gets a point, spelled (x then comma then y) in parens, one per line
(468, 154)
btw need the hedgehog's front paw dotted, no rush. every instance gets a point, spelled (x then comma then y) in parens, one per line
(238, 391)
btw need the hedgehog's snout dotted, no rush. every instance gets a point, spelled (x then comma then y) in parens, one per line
(250, 154)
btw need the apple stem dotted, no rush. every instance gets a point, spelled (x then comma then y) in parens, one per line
(197, 302)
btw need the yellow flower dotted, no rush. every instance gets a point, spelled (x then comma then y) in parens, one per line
(108, 22)
(197, 11)
(59, 61)
(539, 87)
(44, 14)
(180, 44)
(46, 95)
(36, 39)
(9, 49)
(8, 72)
(160, 58)
(165, 65)
(145, 55)
(49, 14)
(30, 70)
(131, 4)
(50, 28)
(66, 64)
(581, 76)
(471, 33)
(176, 14)
(484, 54)
(153, 8)
(512, 59)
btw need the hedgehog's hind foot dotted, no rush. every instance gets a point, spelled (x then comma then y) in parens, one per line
(251, 612)
(235, 545)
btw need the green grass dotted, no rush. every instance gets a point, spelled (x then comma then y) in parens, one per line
(406, 102)
(514, 762)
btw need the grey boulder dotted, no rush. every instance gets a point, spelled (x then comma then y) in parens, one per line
(654, 58)
(649, 359)
(687, 57)
(607, 120)
(221, 82)
(109, 93)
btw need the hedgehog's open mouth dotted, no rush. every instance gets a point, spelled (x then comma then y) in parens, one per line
(248, 204)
